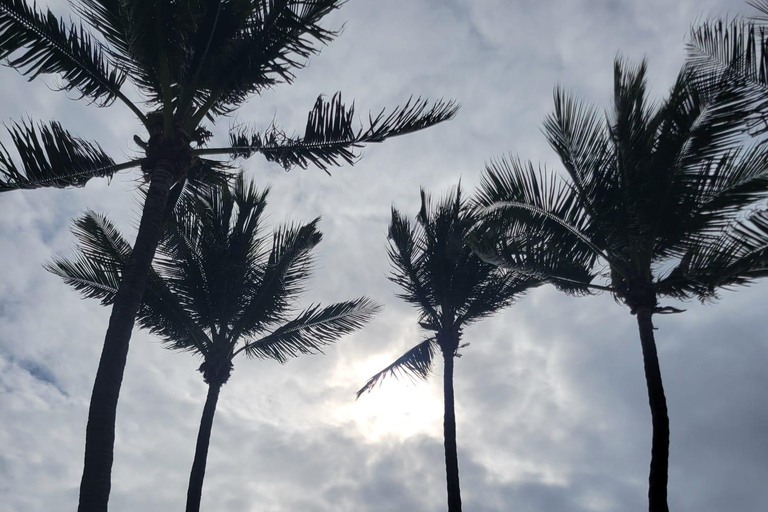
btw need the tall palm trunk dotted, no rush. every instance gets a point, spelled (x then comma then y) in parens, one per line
(449, 435)
(100, 431)
(657, 481)
(195, 490)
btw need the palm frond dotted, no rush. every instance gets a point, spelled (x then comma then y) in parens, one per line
(578, 134)
(736, 258)
(416, 363)
(313, 329)
(330, 137)
(96, 272)
(515, 197)
(49, 156)
(36, 42)
(408, 270)
(268, 297)
(719, 45)
(532, 256)
(264, 48)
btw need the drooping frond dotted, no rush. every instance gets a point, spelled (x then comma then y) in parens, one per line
(313, 329)
(331, 138)
(49, 156)
(416, 363)
(736, 258)
(35, 42)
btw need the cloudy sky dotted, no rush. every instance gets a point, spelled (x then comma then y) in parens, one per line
(551, 401)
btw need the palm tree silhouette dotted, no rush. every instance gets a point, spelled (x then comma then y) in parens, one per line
(190, 62)
(451, 287)
(652, 203)
(218, 290)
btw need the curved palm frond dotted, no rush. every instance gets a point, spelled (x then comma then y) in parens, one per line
(35, 43)
(416, 363)
(49, 156)
(330, 137)
(514, 198)
(528, 255)
(737, 257)
(312, 329)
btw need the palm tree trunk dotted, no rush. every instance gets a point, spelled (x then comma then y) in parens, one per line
(657, 481)
(100, 431)
(195, 490)
(449, 434)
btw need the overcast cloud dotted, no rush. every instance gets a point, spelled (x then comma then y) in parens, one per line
(551, 402)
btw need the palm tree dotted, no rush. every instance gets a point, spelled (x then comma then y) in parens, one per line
(652, 189)
(218, 290)
(452, 288)
(190, 62)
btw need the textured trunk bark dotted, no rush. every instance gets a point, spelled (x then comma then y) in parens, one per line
(449, 434)
(100, 431)
(195, 490)
(657, 480)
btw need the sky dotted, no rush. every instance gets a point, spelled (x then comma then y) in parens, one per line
(551, 401)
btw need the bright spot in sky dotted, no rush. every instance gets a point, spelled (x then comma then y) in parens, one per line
(398, 408)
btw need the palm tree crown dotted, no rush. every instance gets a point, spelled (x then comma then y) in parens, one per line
(652, 191)
(190, 61)
(444, 279)
(649, 186)
(451, 287)
(218, 289)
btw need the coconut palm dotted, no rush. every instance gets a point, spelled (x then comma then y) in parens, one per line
(452, 288)
(653, 194)
(189, 63)
(217, 289)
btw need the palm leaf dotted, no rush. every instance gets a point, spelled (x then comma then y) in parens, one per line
(49, 156)
(268, 296)
(330, 137)
(96, 272)
(35, 43)
(265, 47)
(416, 363)
(313, 329)
(736, 258)
(513, 196)
(408, 270)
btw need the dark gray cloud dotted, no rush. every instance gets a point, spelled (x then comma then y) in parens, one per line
(551, 398)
